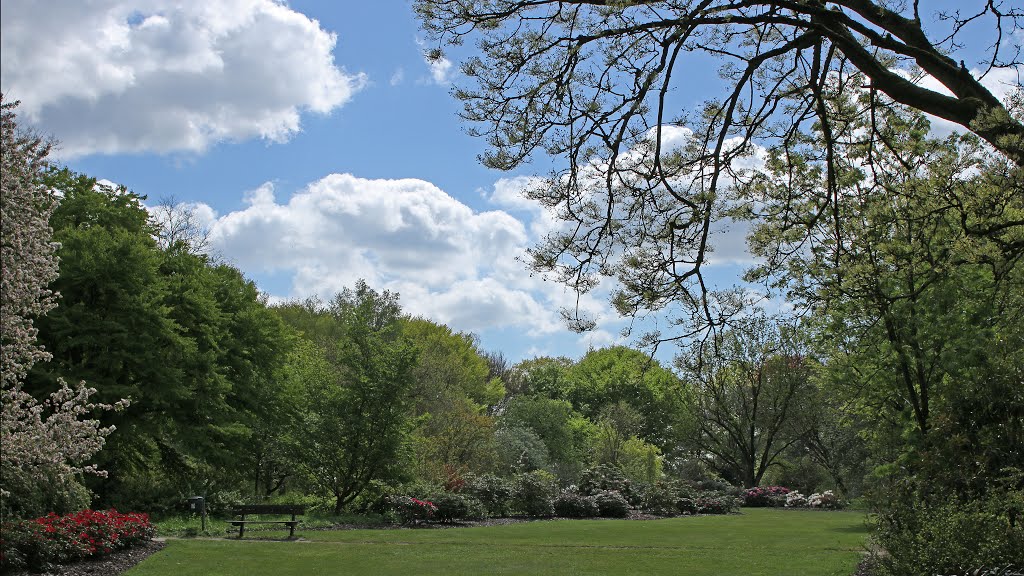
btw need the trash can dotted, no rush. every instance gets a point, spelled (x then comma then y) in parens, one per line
(197, 505)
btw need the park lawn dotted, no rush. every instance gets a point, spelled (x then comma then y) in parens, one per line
(757, 542)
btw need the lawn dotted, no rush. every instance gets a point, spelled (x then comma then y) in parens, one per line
(758, 542)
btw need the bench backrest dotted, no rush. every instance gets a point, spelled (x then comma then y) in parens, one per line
(269, 509)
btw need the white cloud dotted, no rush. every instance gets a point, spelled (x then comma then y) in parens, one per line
(1002, 82)
(440, 69)
(397, 77)
(449, 262)
(114, 76)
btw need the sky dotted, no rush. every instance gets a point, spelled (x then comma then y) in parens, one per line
(317, 144)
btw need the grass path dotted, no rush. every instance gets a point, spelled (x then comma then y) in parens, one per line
(758, 542)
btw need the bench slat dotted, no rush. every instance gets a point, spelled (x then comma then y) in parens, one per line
(269, 509)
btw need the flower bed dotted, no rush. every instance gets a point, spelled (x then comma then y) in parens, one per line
(412, 510)
(765, 496)
(52, 539)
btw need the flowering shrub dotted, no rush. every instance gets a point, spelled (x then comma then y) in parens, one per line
(611, 504)
(572, 504)
(795, 500)
(710, 503)
(825, 499)
(412, 510)
(450, 507)
(605, 478)
(765, 496)
(686, 506)
(660, 499)
(53, 539)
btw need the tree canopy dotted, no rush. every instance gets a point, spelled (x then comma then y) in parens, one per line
(593, 83)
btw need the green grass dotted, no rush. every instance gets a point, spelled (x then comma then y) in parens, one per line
(758, 542)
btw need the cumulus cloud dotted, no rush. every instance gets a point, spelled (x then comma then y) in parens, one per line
(114, 76)
(449, 262)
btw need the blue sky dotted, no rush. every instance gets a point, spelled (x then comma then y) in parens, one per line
(317, 143)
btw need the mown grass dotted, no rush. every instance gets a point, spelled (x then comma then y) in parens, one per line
(758, 542)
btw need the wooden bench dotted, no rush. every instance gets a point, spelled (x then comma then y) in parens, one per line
(266, 509)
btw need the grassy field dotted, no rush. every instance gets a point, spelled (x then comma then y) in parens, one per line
(758, 542)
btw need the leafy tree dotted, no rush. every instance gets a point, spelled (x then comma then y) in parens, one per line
(592, 82)
(452, 393)
(917, 303)
(749, 384)
(46, 444)
(918, 293)
(609, 376)
(542, 375)
(357, 406)
(564, 432)
(191, 343)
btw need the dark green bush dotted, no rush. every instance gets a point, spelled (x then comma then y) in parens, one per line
(950, 538)
(686, 505)
(494, 492)
(572, 504)
(660, 499)
(535, 493)
(611, 504)
(452, 506)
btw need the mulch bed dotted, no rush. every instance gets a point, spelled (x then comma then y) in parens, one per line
(109, 565)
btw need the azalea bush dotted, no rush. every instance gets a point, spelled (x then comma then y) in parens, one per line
(825, 499)
(796, 500)
(412, 510)
(713, 503)
(56, 539)
(571, 504)
(611, 504)
(765, 496)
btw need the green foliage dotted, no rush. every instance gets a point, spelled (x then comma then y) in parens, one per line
(556, 424)
(611, 504)
(494, 493)
(520, 450)
(605, 378)
(188, 340)
(947, 538)
(605, 478)
(30, 495)
(452, 506)
(751, 383)
(571, 504)
(662, 498)
(356, 417)
(716, 503)
(535, 493)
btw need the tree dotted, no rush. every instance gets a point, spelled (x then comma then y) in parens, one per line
(606, 377)
(593, 81)
(563, 431)
(357, 406)
(192, 343)
(917, 291)
(916, 302)
(180, 222)
(48, 444)
(748, 386)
